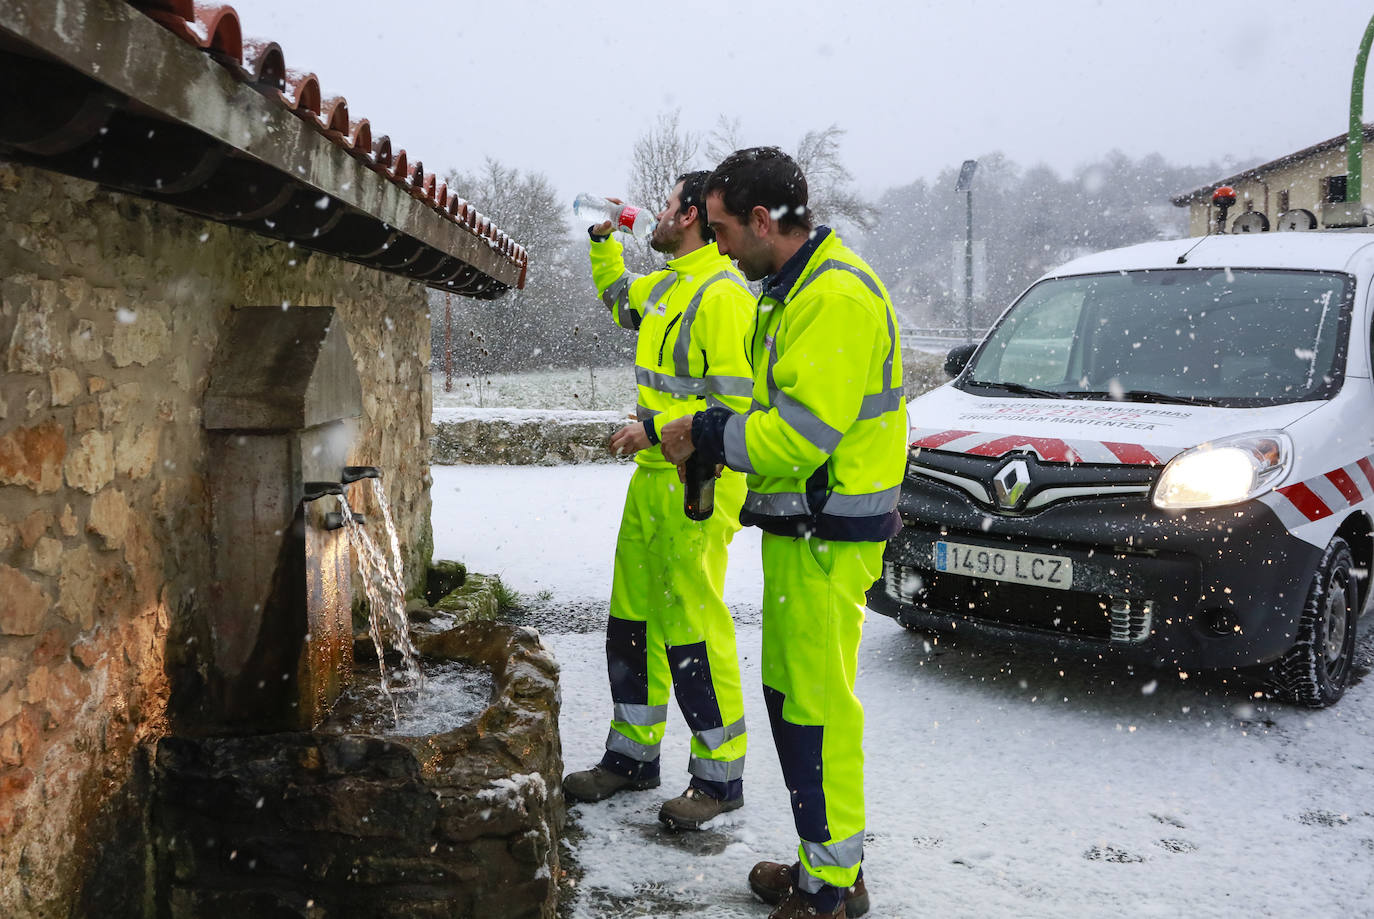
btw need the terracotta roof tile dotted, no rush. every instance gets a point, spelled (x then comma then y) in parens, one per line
(216, 29)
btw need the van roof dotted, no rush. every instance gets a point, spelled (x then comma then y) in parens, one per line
(1321, 250)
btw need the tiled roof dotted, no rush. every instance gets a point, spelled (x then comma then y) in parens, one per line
(164, 99)
(1205, 192)
(261, 64)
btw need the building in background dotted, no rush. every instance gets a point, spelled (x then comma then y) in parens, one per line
(1302, 190)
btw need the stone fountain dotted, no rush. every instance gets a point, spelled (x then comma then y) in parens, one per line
(289, 796)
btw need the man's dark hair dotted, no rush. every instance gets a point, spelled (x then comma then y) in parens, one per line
(762, 176)
(694, 195)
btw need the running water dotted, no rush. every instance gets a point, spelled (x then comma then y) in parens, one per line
(384, 584)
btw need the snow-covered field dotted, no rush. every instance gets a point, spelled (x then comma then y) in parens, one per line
(999, 783)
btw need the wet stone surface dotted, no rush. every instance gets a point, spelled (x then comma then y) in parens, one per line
(461, 822)
(454, 693)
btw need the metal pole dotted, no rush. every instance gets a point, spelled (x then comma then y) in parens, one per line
(968, 271)
(1354, 148)
(448, 342)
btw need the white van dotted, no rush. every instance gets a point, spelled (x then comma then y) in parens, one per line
(1164, 453)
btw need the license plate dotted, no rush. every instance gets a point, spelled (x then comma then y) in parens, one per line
(1004, 565)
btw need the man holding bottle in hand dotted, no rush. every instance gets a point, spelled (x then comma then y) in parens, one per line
(668, 624)
(824, 443)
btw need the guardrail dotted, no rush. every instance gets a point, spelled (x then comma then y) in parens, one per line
(937, 337)
(943, 333)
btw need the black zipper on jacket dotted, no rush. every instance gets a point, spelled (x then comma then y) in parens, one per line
(666, 332)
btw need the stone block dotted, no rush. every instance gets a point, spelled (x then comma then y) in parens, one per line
(476, 599)
(77, 586)
(68, 523)
(47, 556)
(11, 701)
(116, 403)
(23, 604)
(140, 337)
(443, 578)
(137, 453)
(97, 385)
(86, 651)
(13, 786)
(110, 517)
(33, 457)
(35, 346)
(65, 386)
(16, 735)
(90, 467)
(87, 417)
(33, 527)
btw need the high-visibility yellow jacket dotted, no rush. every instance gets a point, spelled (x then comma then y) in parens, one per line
(693, 319)
(824, 441)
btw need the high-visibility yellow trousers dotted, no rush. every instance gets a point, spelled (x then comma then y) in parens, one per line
(813, 613)
(669, 628)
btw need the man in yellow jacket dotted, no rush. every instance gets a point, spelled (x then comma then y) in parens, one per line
(824, 444)
(668, 626)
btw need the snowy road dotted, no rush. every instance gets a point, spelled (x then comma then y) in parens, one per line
(999, 783)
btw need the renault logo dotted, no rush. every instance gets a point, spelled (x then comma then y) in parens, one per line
(1011, 483)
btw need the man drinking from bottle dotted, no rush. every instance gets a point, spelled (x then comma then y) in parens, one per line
(668, 626)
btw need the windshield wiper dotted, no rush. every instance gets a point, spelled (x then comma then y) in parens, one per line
(1017, 388)
(1141, 395)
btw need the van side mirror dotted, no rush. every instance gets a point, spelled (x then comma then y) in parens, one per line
(957, 359)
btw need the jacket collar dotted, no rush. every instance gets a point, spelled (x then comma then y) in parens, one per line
(697, 261)
(780, 284)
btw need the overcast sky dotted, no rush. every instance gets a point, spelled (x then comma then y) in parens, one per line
(566, 87)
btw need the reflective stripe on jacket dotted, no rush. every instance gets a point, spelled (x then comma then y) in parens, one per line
(693, 319)
(824, 441)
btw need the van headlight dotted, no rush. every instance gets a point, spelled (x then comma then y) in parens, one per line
(1224, 471)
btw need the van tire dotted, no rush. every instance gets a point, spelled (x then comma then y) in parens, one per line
(1315, 671)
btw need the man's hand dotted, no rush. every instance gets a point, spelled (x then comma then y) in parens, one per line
(629, 439)
(606, 227)
(675, 438)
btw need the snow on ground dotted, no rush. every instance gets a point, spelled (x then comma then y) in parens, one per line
(999, 782)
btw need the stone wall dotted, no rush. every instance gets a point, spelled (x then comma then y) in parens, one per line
(551, 437)
(110, 309)
(522, 437)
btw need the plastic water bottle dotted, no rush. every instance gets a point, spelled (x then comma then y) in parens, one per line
(699, 499)
(636, 221)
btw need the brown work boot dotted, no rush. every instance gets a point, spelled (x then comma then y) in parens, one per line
(598, 784)
(772, 881)
(795, 906)
(694, 808)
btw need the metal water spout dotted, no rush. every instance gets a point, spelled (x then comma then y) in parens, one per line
(314, 491)
(334, 520)
(353, 474)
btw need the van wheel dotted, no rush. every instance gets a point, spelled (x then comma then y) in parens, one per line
(1314, 672)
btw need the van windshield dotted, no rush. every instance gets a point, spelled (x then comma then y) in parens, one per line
(1231, 337)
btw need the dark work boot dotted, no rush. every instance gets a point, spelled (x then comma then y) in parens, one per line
(694, 808)
(598, 784)
(795, 906)
(771, 882)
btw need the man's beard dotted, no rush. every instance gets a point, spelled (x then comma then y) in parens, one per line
(665, 244)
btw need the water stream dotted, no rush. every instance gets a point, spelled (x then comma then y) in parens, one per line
(384, 584)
